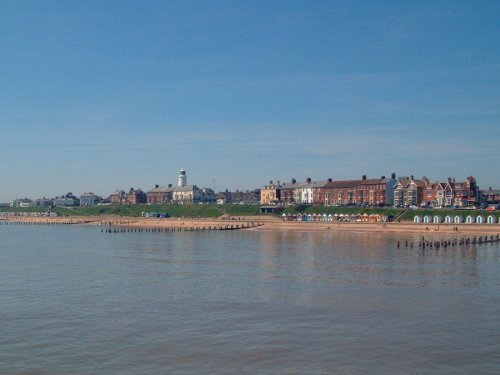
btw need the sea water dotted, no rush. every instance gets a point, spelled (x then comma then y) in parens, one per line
(74, 300)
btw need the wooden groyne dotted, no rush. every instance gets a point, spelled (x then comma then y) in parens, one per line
(451, 242)
(199, 228)
(48, 222)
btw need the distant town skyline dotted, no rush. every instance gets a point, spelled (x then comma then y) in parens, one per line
(100, 96)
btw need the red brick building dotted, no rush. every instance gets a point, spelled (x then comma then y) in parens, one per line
(136, 196)
(341, 192)
(160, 194)
(451, 193)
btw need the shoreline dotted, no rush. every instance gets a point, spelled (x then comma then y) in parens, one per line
(260, 223)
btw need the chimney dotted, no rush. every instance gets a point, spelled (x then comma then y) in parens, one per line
(278, 183)
(169, 185)
(382, 177)
(449, 180)
(330, 179)
(157, 186)
(270, 182)
(411, 177)
(363, 177)
(294, 180)
(393, 175)
(308, 180)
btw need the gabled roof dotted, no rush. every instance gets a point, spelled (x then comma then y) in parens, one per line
(316, 184)
(419, 183)
(179, 189)
(294, 185)
(405, 182)
(162, 189)
(343, 184)
(371, 181)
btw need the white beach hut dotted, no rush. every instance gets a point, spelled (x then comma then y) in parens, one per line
(417, 219)
(427, 219)
(448, 219)
(470, 219)
(479, 219)
(458, 219)
(491, 219)
(436, 219)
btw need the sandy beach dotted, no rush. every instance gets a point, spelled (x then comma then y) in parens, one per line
(260, 223)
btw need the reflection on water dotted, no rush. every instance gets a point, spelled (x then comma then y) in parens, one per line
(75, 300)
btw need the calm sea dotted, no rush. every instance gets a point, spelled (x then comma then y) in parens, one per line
(74, 300)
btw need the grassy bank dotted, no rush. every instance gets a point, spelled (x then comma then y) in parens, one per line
(186, 210)
(212, 211)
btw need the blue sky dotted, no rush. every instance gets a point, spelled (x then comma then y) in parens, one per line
(101, 95)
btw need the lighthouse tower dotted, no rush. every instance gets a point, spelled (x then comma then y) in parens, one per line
(182, 179)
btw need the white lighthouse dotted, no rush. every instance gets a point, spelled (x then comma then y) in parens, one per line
(182, 179)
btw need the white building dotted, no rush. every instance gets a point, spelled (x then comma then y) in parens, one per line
(88, 199)
(186, 194)
(64, 202)
(23, 203)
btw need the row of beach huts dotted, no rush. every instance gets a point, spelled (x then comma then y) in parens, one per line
(360, 218)
(456, 219)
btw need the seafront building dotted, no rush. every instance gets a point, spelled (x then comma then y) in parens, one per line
(65, 202)
(136, 196)
(43, 202)
(160, 195)
(118, 197)
(22, 203)
(88, 199)
(383, 191)
(409, 192)
(271, 193)
(490, 195)
(180, 194)
(451, 193)
(373, 192)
